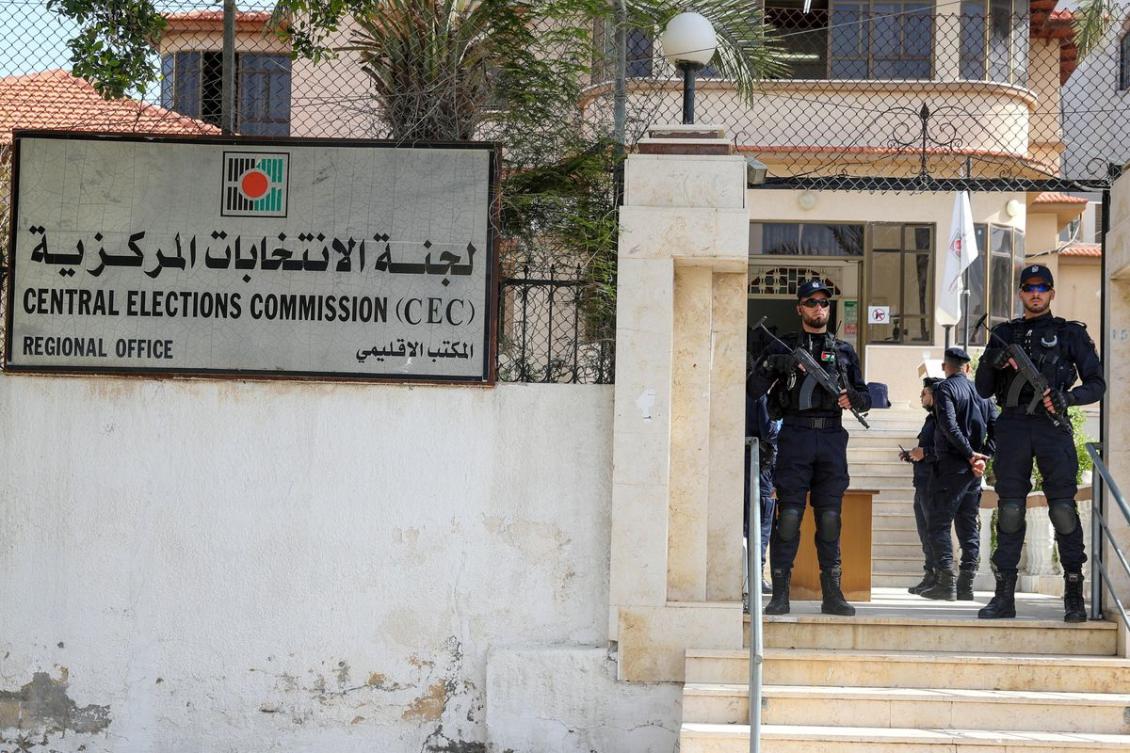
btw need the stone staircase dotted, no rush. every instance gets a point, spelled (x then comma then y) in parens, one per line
(909, 676)
(873, 464)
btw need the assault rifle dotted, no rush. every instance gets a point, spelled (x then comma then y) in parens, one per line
(1027, 374)
(815, 375)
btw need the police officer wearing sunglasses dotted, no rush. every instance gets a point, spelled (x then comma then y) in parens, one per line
(811, 446)
(1060, 350)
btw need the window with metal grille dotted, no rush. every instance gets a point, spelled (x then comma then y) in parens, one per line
(191, 85)
(805, 239)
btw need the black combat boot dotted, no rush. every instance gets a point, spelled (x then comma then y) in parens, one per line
(965, 584)
(1003, 603)
(945, 589)
(779, 604)
(1074, 610)
(928, 580)
(834, 601)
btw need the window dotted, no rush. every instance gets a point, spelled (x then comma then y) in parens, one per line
(855, 39)
(994, 41)
(1124, 63)
(808, 239)
(991, 278)
(192, 86)
(902, 279)
(639, 52)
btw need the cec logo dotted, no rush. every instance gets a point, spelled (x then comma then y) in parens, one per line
(255, 184)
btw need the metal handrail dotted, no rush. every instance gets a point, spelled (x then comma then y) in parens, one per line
(1098, 569)
(753, 565)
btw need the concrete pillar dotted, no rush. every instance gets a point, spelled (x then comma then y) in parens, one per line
(675, 578)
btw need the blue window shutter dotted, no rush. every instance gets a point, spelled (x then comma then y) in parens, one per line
(167, 82)
(186, 84)
(264, 95)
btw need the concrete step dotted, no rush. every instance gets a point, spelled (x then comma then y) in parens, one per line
(881, 483)
(931, 708)
(881, 468)
(916, 669)
(882, 537)
(862, 454)
(715, 738)
(883, 505)
(909, 566)
(922, 630)
(896, 550)
(886, 439)
(900, 581)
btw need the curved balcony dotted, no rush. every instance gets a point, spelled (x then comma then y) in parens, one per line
(859, 74)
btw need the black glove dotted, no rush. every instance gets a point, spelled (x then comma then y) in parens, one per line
(997, 358)
(779, 363)
(856, 399)
(1060, 401)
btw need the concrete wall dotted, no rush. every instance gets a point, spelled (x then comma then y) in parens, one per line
(1117, 342)
(228, 566)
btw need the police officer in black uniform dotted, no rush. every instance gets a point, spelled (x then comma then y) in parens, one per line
(1061, 350)
(963, 442)
(924, 461)
(811, 446)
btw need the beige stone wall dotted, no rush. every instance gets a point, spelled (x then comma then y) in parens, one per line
(1078, 286)
(1117, 439)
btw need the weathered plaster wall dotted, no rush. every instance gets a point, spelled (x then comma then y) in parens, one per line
(1117, 441)
(228, 566)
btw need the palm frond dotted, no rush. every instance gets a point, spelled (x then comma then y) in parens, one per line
(1091, 20)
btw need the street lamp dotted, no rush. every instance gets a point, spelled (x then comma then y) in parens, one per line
(688, 44)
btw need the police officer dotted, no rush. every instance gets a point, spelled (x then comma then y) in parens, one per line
(924, 461)
(811, 446)
(963, 442)
(1060, 350)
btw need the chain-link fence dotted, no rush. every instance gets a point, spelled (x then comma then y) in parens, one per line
(892, 95)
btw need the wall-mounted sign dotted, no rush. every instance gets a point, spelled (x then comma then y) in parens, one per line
(305, 258)
(878, 314)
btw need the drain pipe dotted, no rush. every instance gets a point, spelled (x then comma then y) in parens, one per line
(753, 565)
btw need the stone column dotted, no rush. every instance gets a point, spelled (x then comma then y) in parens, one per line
(675, 580)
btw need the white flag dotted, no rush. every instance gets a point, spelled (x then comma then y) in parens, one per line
(960, 253)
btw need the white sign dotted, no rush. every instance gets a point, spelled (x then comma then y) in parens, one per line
(359, 259)
(878, 314)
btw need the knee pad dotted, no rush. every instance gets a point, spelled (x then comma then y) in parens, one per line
(828, 525)
(1065, 518)
(788, 523)
(1010, 516)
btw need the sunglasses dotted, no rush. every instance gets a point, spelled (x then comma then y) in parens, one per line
(1039, 287)
(811, 303)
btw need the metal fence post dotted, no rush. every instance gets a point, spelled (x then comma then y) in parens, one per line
(753, 562)
(227, 80)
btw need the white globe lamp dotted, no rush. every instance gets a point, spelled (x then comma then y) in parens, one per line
(688, 43)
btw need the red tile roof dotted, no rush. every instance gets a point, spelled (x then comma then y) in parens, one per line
(1093, 250)
(204, 20)
(57, 100)
(1051, 197)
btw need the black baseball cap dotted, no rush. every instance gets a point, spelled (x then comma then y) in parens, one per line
(1039, 271)
(957, 354)
(805, 289)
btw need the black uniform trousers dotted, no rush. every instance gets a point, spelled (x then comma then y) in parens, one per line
(1020, 438)
(955, 500)
(809, 460)
(768, 504)
(922, 507)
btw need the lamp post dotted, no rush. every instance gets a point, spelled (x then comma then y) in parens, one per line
(688, 44)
